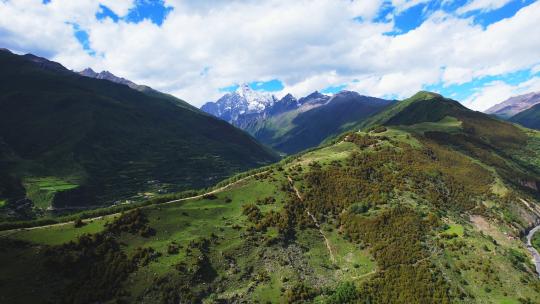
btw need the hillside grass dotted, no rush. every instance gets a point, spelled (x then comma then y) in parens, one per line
(41, 190)
(59, 234)
(535, 241)
(456, 229)
(448, 124)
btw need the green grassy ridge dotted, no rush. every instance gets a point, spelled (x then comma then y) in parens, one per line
(109, 138)
(505, 147)
(398, 107)
(97, 212)
(427, 107)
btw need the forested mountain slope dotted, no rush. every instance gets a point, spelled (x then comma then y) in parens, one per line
(529, 118)
(73, 141)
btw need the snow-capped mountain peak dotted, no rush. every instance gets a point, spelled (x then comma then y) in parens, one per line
(256, 101)
(243, 101)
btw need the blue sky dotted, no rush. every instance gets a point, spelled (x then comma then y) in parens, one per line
(155, 11)
(476, 51)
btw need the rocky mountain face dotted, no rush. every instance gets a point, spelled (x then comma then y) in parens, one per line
(314, 99)
(106, 75)
(245, 106)
(285, 104)
(241, 106)
(514, 105)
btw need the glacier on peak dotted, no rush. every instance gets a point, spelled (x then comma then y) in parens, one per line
(243, 101)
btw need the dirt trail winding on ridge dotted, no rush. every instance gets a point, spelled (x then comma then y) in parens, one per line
(326, 241)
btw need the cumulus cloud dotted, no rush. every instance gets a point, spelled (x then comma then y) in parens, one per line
(489, 95)
(496, 92)
(536, 69)
(307, 44)
(119, 7)
(482, 5)
(457, 75)
(403, 5)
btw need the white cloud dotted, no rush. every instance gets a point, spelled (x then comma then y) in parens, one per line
(489, 95)
(307, 44)
(119, 7)
(482, 5)
(535, 69)
(395, 85)
(403, 5)
(457, 75)
(531, 85)
(314, 83)
(365, 9)
(498, 91)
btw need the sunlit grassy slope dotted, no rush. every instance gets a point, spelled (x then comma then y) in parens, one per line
(406, 213)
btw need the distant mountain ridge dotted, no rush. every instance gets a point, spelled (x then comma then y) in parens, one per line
(317, 118)
(106, 75)
(514, 105)
(529, 118)
(290, 125)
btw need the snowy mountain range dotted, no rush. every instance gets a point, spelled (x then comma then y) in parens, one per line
(241, 105)
(245, 105)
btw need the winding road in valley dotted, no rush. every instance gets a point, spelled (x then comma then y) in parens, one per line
(534, 252)
(5, 233)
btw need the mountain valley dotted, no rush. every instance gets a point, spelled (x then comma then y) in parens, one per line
(72, 142)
